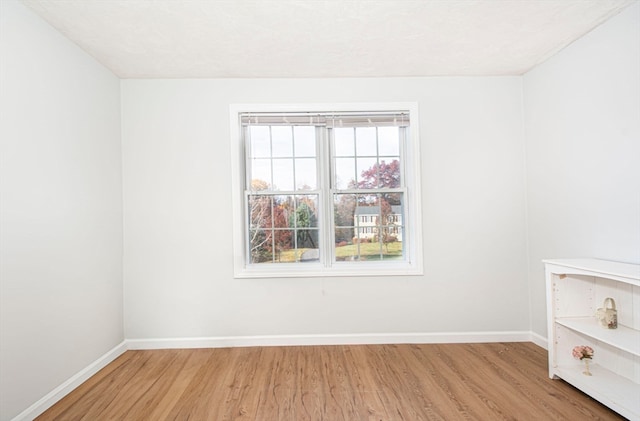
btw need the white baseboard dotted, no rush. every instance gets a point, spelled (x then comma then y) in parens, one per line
(541, 341)
(339, 339)
(65, 388)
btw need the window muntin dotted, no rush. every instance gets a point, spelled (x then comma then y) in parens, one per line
(327, 191)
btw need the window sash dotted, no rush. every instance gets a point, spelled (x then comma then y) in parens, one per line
(275, 228)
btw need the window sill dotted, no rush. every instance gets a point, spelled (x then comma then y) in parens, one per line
(307, 270)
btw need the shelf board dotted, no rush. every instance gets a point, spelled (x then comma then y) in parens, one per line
(617, 392)
(624, 272)
(623, 337)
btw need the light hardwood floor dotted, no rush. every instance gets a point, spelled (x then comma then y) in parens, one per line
(494, 381)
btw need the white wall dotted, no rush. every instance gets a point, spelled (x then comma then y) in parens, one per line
(582, 119)
(177, 206)
(61, 210)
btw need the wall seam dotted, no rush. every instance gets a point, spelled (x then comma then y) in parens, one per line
(525, 175)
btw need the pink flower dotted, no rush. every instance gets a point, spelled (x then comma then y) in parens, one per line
(582, 351)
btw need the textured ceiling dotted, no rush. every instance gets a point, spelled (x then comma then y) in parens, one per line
(322, 38)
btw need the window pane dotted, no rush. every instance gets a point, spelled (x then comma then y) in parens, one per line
(345, 173)
(389, 174)
(344, 236)
(260, 242)
(367, 173)
(305, 222)
(344, 206)
(284, 249)
(260, 141)
(282, 174)
(307, 254)
(282, 141)
(260, 174)
(306, 175)
(282, 208)
(389, 141)
(344, 142)
(366, 141)
(306, 212)
(260, 211)
(305, 141)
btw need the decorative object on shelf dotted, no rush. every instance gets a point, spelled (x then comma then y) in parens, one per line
(583, 353)
(608, 316)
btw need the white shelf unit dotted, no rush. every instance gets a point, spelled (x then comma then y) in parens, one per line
(575, 289)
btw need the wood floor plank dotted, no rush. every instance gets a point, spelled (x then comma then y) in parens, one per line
(340, 383)
(451, 397)
(522, 379)
(134, 394)
(494, 381)
(176, 381)
(243, 382)
(205, 384)
(361, 379)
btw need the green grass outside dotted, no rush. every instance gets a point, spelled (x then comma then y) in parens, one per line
(368, 251)
(290, 256)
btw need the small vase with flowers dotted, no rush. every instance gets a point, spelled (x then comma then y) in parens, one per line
(583, 353)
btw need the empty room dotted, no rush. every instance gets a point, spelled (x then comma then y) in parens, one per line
(319, 210)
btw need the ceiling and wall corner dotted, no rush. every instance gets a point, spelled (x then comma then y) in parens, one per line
(331, 38)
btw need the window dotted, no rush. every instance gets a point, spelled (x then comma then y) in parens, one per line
(326, 190)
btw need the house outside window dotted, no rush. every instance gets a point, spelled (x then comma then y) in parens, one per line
(326, 190)
(368, 221)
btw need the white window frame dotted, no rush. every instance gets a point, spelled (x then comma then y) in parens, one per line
(411, 265)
